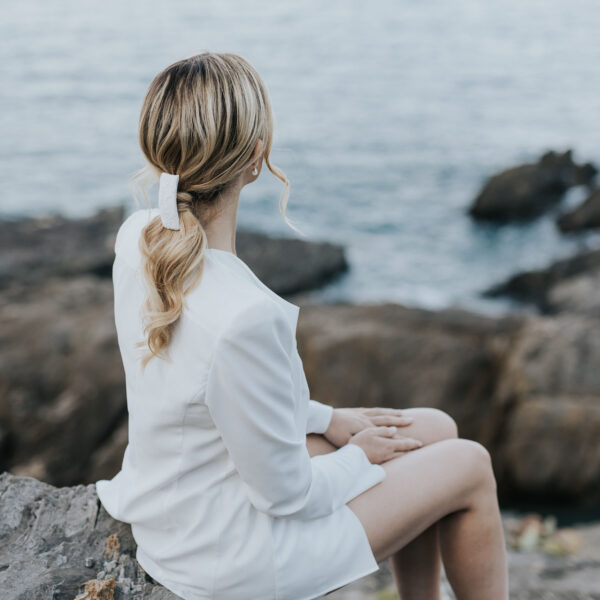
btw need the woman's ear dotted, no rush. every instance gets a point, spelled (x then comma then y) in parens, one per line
(257, 154)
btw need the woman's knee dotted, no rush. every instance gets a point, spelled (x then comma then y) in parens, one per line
(475, 462)
(440, 424)
(447, 424)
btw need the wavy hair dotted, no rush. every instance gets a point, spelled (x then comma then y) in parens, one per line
(201, 119)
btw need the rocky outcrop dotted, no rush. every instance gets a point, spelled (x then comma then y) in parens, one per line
(547, 399)
(35, 249)
(525, 387)
(61, 544)
(568, 285)
(526, 191)
(65, 421)
(63, 416)
(390, 355)
(584, 216)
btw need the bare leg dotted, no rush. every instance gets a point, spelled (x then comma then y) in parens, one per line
(417, 566)
(450, 481)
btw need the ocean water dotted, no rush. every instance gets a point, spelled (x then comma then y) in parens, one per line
(389, 116)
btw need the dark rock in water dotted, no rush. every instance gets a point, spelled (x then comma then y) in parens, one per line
(526, 191)
(33, 249)
(585, 216)
(60, 544)
(289, 265)
(569, 284)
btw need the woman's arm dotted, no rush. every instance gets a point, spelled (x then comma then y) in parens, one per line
(250, 396)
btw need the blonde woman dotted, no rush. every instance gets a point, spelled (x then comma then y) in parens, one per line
(236, 484)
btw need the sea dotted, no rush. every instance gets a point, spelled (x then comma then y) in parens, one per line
(389, 118)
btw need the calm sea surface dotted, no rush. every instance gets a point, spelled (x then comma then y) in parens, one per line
(389, 116)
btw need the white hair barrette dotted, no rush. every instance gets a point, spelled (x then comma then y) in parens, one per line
(167, 200)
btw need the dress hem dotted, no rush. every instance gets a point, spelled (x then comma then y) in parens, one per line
(331, 588)
(157, 575)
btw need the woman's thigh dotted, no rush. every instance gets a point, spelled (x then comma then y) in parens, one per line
(421, 487)
(429, 425)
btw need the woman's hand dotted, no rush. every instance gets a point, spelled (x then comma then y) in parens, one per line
(381, 444)
(345, 422)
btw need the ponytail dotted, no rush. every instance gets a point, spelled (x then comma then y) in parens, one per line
(171, 258)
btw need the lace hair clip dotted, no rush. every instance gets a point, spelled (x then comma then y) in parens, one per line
(167, 200)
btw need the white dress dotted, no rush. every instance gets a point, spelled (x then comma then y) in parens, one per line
(224, 501)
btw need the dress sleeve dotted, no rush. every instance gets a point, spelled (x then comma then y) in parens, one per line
(250, 396)
(319, 417)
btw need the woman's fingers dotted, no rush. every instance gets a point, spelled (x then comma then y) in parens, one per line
(400, 442)
(403, 444)
(380, 410)
(385, 430)
(397, 420)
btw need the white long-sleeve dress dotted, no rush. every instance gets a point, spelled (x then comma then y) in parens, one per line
(224, 501)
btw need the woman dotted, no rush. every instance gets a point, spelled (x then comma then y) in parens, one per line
(235, 483)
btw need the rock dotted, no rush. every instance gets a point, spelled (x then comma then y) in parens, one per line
(390, 355)
(35, 249)
(526, 191)
(548, 394)
(288, 265)
(528, 388)
(568, 284)
(585, 216)
(63, 390)
(61, 544)
(577, 294)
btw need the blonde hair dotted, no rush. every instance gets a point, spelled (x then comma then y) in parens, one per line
(201, 119)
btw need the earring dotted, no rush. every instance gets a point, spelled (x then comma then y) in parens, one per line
(255, 171)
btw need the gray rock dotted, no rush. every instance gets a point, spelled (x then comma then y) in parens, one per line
(59, 542)
(526, 191)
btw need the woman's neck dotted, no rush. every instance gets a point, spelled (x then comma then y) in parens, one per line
(221, 230)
